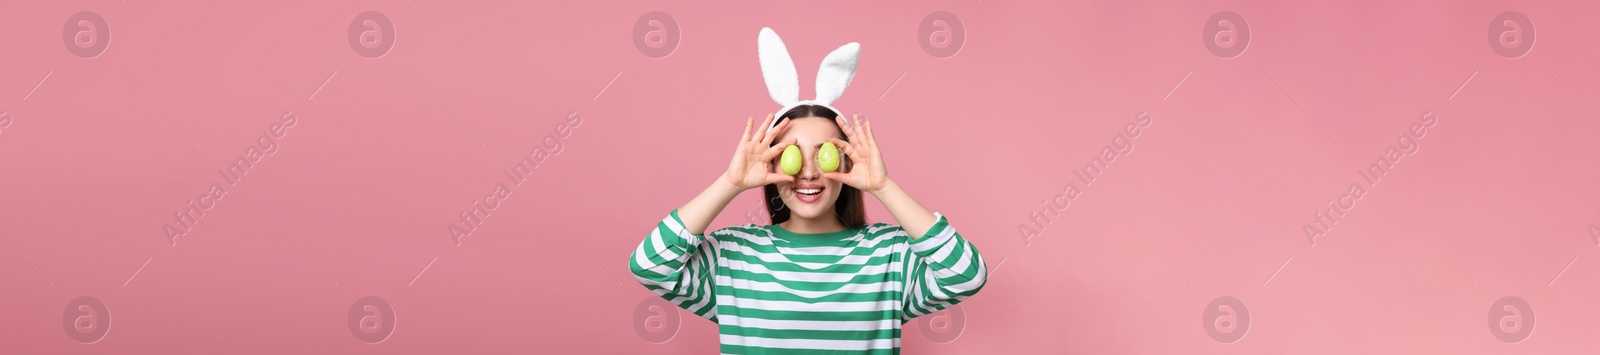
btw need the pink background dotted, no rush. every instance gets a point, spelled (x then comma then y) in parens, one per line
(97, 154)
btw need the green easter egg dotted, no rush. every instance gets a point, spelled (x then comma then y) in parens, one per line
(790, 162)
(828, 157)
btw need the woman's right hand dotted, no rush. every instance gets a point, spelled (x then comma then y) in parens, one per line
(752, 160)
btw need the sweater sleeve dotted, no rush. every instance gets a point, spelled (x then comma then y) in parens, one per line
(678, 266)
(942, 269)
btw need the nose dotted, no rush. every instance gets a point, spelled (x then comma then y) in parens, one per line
(809, 169)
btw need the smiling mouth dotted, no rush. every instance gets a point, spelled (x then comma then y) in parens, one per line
(808, 193)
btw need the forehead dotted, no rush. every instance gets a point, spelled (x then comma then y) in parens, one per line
(811, 129)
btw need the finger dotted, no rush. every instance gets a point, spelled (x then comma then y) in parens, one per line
(836, 176)
(773, 178)
(855, 124)
(846, 147)
(777, 130)
(872, 140)
(773, 133)
(748, 121)
(774, 151)
(760, 131)
(844, 126)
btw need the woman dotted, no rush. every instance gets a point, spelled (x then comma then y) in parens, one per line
(817, 279)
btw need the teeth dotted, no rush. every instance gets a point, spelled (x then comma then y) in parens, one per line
(808, 191)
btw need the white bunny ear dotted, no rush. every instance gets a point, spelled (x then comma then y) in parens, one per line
(777, 68)
(837, 70)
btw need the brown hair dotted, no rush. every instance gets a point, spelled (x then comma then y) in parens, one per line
(848, 207)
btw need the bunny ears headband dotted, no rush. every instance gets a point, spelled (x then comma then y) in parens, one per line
(784, 84)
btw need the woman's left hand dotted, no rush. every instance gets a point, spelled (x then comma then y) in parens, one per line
(865, 171)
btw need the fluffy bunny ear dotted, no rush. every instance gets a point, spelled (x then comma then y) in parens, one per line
(778, 69)
(837, 70)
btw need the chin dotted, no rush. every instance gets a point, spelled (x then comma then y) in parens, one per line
(813, 210)
(809, 212)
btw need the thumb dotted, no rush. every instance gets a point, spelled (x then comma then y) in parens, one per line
(837, 176)
(773, 178)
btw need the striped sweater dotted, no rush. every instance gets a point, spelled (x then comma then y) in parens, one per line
(774, 291)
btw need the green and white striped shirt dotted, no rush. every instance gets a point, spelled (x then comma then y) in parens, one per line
(774, 291)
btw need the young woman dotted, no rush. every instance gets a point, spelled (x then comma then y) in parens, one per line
(819, 279)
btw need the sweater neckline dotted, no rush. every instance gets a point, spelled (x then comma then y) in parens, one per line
(793, 239)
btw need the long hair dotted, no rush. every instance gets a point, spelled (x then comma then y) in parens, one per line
(852, 213)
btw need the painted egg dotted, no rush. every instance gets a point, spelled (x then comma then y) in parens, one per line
(790, 162)
(828, 157)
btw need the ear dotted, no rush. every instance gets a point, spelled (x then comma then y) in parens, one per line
(777, 68)
(837, 70)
